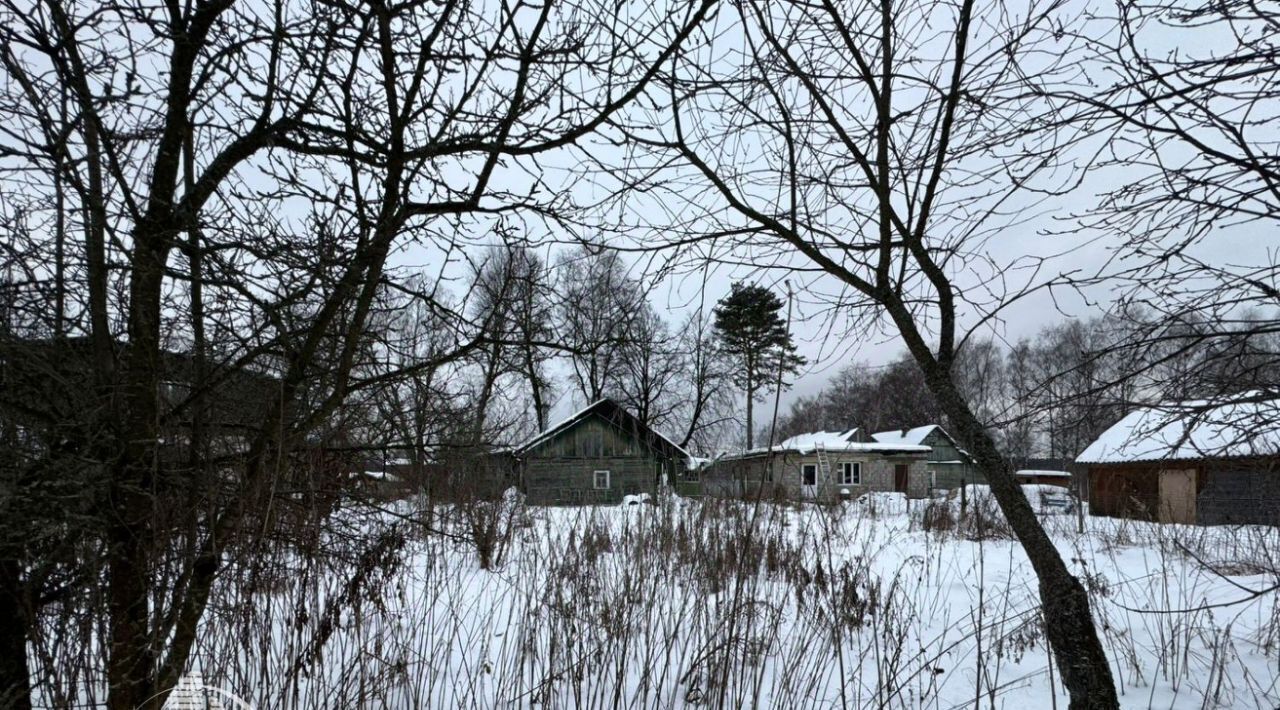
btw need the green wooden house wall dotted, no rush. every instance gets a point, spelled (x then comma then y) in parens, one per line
(560, 467)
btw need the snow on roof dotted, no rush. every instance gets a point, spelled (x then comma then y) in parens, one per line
(549, 431)
(832, 442)
(914, 436)
(377, 476)
(1247, 424)
(826, 438)
(693, 463)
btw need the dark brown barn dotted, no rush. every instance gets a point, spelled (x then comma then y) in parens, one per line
(1205, 462)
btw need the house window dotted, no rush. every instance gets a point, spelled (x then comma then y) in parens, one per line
(851, 473)
(601, 480)
(809, 475)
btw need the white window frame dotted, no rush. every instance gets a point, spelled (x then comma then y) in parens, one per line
(595, 479)
(813, 466)
(851, 473)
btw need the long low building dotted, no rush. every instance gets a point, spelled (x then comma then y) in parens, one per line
(1208, 462)
(821, 466)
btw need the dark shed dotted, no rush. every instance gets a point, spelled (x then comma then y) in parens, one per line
(1208, 462)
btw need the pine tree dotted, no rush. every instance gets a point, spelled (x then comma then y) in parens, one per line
(752, 330)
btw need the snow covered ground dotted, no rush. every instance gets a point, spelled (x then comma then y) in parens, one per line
(716, 604)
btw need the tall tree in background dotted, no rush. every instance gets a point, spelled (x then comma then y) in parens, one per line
(651, 368)
(511, 307)
(1018, 436)
(598, 305)
(708, 401)
(752, 330)
(419, 406)
(496, 281)
(531, 314)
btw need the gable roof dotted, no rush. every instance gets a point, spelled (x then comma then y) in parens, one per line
(610, 411)
(1242, 425)
(829, 439)
(917, 435)
(914, 436)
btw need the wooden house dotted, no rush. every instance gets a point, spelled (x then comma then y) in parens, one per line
(949, 465)
(597, 455)
(821, 466)
(1207, 462)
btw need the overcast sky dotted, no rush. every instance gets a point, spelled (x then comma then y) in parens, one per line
(826, 338)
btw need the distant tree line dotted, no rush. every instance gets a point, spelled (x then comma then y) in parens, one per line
(1051, 394)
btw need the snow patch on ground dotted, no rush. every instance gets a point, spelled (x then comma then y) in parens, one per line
(737, 604)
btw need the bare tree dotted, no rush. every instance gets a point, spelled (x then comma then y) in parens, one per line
(420, 404)
(870, 398)
(980, 377)
(651, 366)
(496, 284)
(597, 308)
(1021, 422)
(886, 144)
(1188, 101)
(511, 302)
(531, 321)
(193, 133)
(139, 117)
(705, 377)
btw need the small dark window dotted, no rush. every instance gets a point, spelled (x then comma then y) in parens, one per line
(601, 480)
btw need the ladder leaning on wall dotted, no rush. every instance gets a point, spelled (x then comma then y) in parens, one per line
(824, 464)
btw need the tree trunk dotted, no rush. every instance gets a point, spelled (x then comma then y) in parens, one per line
(535, 388)
(751, 398)
(1068, 621)
(695, 416)
(15, 679)
(130, 661)
(486, 394)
